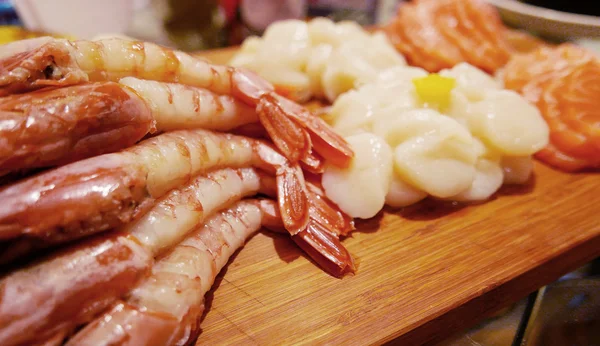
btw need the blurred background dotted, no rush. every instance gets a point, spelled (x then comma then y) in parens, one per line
(194, 25)
(566, 312)
(189, 25)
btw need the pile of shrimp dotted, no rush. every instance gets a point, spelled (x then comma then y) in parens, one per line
(131, 173)
(564, 83)
(439, 34)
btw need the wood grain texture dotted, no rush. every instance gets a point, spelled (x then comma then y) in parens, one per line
(426, 271)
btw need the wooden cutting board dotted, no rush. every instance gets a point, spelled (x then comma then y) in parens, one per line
(426, 271)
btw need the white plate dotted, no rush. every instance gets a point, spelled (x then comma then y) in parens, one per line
(548, 23)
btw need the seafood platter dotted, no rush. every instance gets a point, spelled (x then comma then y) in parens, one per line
(321, 183)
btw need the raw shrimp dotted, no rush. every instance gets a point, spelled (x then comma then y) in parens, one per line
(75, 200)
(57, 126)
(108, 191)
(50, 298)
(176, 106)
(166, 308)
(56, 62)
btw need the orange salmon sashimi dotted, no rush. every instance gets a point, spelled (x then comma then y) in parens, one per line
(438, 34)
(522, 68)
(564, 83)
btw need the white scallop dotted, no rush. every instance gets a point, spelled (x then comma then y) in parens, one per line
(517, 169)
(433, 153)
(360, 190)
(351, 113)
(401, 194)
(507, 122)
(400, 76)
(285, 43)
(488, 179)
(315, 66)
(471, 81)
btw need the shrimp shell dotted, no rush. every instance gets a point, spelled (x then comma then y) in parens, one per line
(171, 298)
(51, 297)
(57, 126)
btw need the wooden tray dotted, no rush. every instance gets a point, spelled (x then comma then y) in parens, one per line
(427, 271)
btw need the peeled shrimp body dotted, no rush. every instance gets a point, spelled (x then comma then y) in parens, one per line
(166, 307)
(317, 59)
(457, 135)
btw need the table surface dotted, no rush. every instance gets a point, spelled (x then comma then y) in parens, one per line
(426, 271)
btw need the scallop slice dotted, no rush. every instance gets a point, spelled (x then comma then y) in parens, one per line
(285, 43)
(402, 194)
(315, 67)
(246, 56)
(471, 81)
(400, 76)
(357, 62)
(358, 110)
(294, 84)
(488, 179)
(345, 70)
(507, 122)
(323, 30)
(360, 190)
(517, 169)
(351, 113)
(433, 153)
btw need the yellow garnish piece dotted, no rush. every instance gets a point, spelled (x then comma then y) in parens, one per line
(434, 90)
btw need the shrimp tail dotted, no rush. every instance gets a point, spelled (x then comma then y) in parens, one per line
(325, 249)
(313, 164)
(291, 139)
(320, 239)
(325, 212)
(293, 128)
(293, 198)
(295, 122)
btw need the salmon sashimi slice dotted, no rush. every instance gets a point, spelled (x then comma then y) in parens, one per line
(522, 68)
(438, 34)
(419, 40)
(556, 158)
(564, 83)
